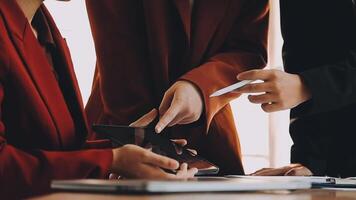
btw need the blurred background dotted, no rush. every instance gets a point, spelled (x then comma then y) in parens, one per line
(264, 137)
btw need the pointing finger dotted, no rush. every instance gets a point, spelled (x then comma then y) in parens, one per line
(169, 116)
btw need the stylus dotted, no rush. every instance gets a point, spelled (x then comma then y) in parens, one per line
(231, 88)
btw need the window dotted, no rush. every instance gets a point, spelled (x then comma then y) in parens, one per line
(72, 21)
(264, 137)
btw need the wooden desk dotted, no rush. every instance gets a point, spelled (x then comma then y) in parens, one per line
(282, 195)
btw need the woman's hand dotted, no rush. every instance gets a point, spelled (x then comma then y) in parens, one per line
(280, 90)
(181, 104)
(290, 170)
(131, 161)
(153, 168)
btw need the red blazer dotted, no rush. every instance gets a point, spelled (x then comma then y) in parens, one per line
(143, 47)
(38, 141)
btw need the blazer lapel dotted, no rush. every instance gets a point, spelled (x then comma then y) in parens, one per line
(207, 14)
(159, 29)
(206, 19)
(42, 77)
(39, 69)
(62, 48)
(183, 7)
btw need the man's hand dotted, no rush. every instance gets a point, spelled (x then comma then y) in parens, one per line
(290, 170)
(280, 90)
(131, 161)
(181, 104)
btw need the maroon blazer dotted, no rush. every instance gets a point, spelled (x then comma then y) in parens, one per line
(39, 139)
(143, 47)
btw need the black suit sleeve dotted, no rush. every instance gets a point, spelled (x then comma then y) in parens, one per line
(320, 46)
(333, 86)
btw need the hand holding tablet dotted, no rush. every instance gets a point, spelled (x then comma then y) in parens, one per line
(159, 144)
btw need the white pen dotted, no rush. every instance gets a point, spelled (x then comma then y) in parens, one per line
(231, 88)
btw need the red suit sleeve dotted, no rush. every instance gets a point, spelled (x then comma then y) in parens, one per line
(244, 49)
(26, 172)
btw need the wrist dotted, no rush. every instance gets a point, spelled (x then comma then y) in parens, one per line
(305, 93)
(197, 91)
(115, 160)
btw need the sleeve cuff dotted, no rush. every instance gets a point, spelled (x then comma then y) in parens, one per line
(314, 82)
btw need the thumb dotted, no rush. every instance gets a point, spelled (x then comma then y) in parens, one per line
(146, 119)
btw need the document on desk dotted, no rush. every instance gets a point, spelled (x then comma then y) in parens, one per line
(308, 179)
(315, 181)
(201, 184)
(340, 183)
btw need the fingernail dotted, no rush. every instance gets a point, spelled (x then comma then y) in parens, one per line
(195, 170)
(176, 165)
(111, 176)
(158, 129)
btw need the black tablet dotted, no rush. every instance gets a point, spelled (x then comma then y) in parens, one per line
(147, 138)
